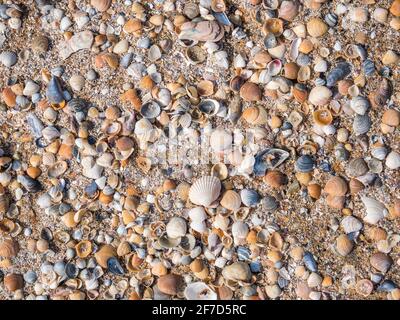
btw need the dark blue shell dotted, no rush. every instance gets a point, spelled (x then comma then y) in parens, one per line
(310, 262)
(386, 286)
(255, 266)
(243, 253)
(114, 266)
(368, 67)
(341, 71)
(54, 91)
(304, 163)
(71, 270)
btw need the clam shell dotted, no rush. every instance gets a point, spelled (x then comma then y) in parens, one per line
(288, 10)
(320, 96)
(13, 282)
(274, 26)
(195, 55)
(341, 71)
(335, 202)
(275, 179)
(199, 291)
(356, 167)
(375, 210)
(150, 110)
(54, 91)
(205, 191)
(391, 117)
(250, 198)
(231, 200)
(316, 27)
(8, 58)
(101, 5)
(360, 105)
(351, 224)
(198, 226)
(166, 242)
(270, 158)
(393, 160)
(269, 203)
(381, 262)
(104, 254)
(336, 186)
(9, 248)
(170, 284)
(361, 124)
(237, 271)
(344, 245)
(323, 117)
(250, 92)
(58, 169)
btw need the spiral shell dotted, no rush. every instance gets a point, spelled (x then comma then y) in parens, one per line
(231, 200)
(375, 210)
(205, 191)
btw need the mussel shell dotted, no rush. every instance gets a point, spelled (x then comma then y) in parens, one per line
(54, 91)
(114, 266)
(309, 262)
(341, 71)
(304, 163)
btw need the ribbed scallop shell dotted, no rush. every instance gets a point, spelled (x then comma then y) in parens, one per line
(360, 105)
(375, 210)
(199, 291)
(361, 124)
(205, 191)
(231, 200)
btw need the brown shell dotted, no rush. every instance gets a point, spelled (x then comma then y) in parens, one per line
(344, 245)
(9, 97)
(391, 117)
(231, 200)
(275, 241)
(314, 190)
(83, 248)
(381, 262)
(323, 117)
(4, 204)
(197, 265)
(343, 86)
(9, 248)
(250, 114)
(274, 26)
(336, 186)
(376, 234)
(355, 186)
(275, 179)
(335, 202)
(170, 284)
(291, 70)
(106, 252)
(250, 92)
(316, 27)
(299, 92)
(101, 5)
(124, 248)
(13, 282)
(40, 44)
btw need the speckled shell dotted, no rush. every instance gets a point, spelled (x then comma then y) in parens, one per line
(375, 210)
(205, 191)
(231, 200)
(356, 167)
(336, 186)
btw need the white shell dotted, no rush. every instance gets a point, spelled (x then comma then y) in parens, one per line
(351, 224)
(379, 153)
(376, 211)
(143, 126)
(320, 96)
(240, 229)
(77, 82)
(221, 222)
(221, 140)
(393, 160)
(197, 214)
(199, 291)
(176, 227)
(205, 191)
(360, 105)
(198, 226)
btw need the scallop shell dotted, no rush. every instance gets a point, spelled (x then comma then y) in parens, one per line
(393, 160)
(199, 291)
(231, 200)
(360, 105)
(9, 248)
(83, 248)
(336, 186)
(361, 124)
(205, 191)
(323, 117)
(375, 210)
(250, 198)
(320, 96)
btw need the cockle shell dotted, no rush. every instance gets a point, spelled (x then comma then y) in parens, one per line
(391, 117)
(197, 214)
(393, 160)
(375, 210)
(176, 227)
(101, 5)
(170, 284)
(237, 271)
(351, 224)
(316, 27)
(356, 167)
(231, 200)
(249, 197)
(360, 105)
(361, 124)
(336, 186)
(344, 245)
(13, 282)
(240, 230)
(255, 115)
(320, 96)
(199, 291)
(288, 10)
(8, 248)
(205, 191)
(323, 117)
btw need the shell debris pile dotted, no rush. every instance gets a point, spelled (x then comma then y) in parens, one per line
(298, 100)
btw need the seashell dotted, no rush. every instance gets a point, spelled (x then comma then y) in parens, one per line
(309, 261)
(240, 230)
(9, 97)
(379, 97)
(198, 226)
(195, 54)
(344, 245)
(9, 248)
(4, 204)
(274, 26)
(166, 242)
(336, 186)
(270, 158)
(188, 242)
(199, 291)
(391, 117)
(323, 117)
(316, 27)
(341, 71)
(255, 115)
(375, 210)
(320, 96)
(220, 140)
(300, 92)
(351, 224)
(40, 44)
(275, 179)
(381, 262)
(205, 88)
(250, 198)
(104, 254)
(390, 58)
(220, 171)
(335, 202)
(114, 266)
(270, 4)
(101, 5)
(368, 67)
(250, 92)
(304, 74)
(209, 106)
(291, 70)
(218, 5)
(170, 284)
(393, 160)
(8, 58)
(54, 91)
(274, 67)
(83, 248)
(395, 8)
(304, 163)
(288, 10)
(277, 52)
(205, 191)
(237, 271)
(176, 227)
(360, 105)
(13, 282)
(314, 190)
(364, 287)
(356, 167)
(358, 14)
(231, 200)
(58, 169)
(150, 110)
(361, 124)
(31, 185)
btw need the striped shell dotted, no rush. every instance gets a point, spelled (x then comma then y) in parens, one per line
(360, 105)
(375, 210)
(336, 186)
(205, 191)
(361, 124)
(249, 197)
(231, 200)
